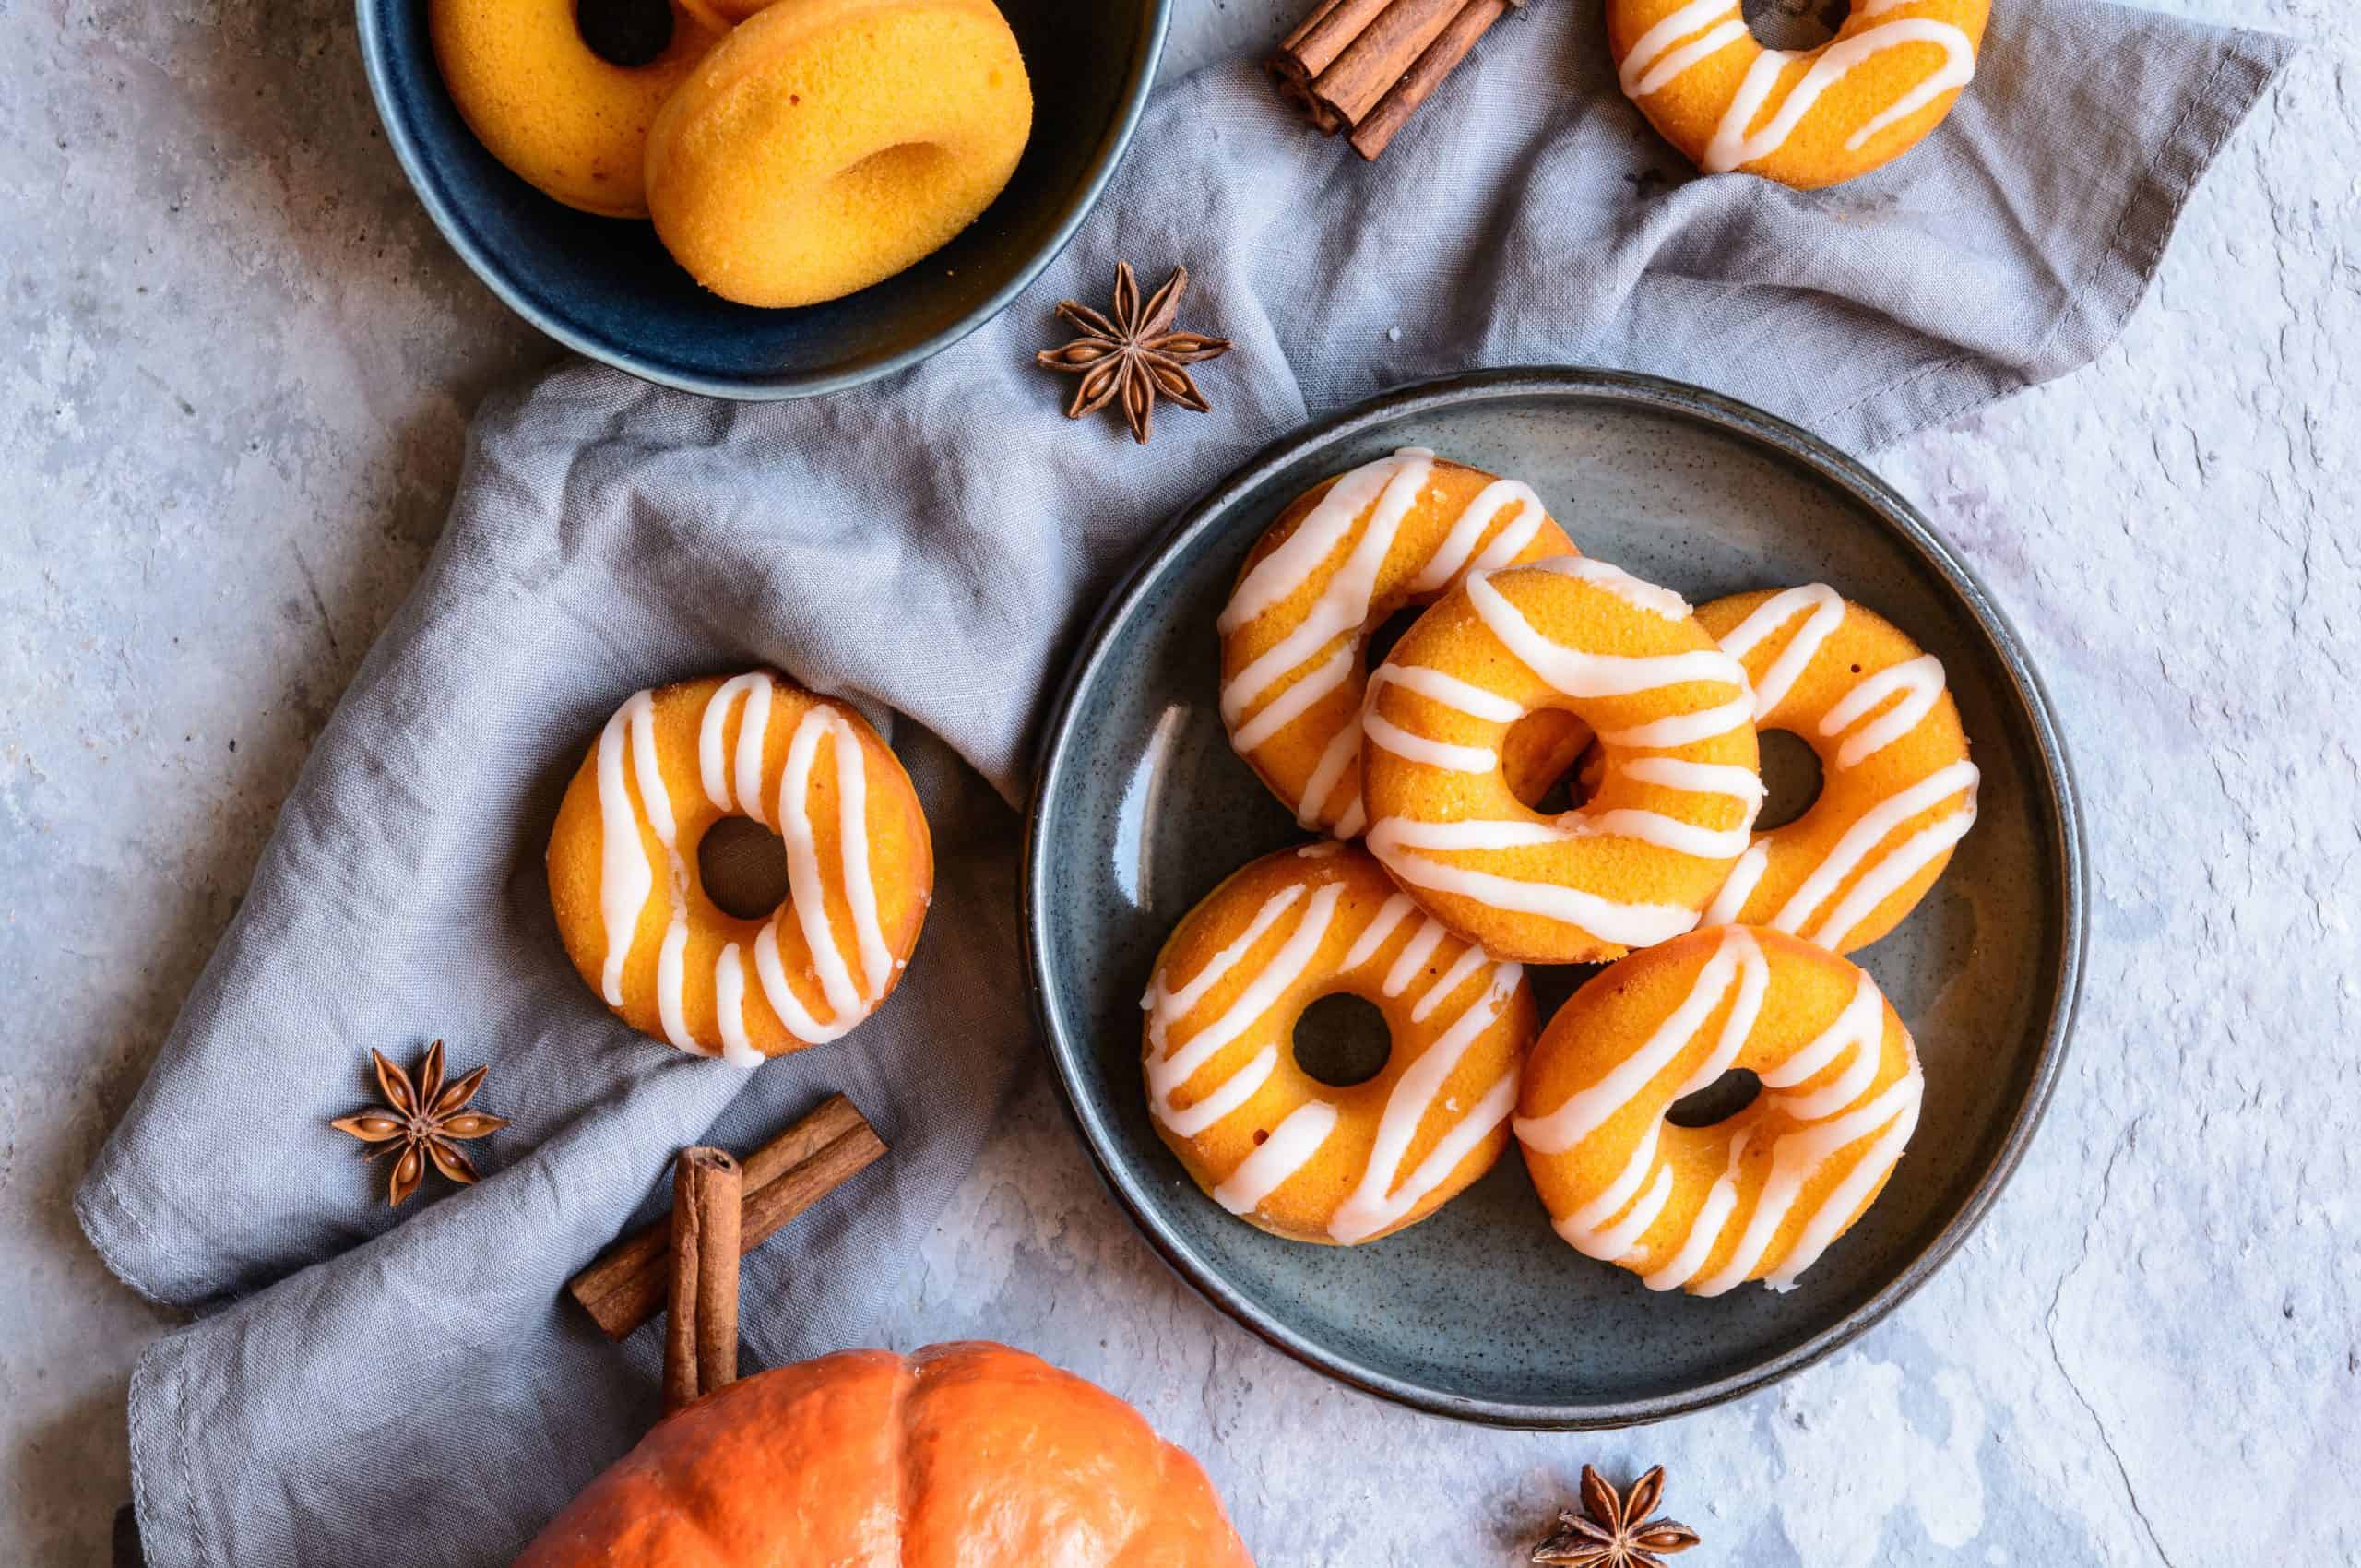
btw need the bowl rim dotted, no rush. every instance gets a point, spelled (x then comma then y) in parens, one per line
(1139, 82)
(2058, 808)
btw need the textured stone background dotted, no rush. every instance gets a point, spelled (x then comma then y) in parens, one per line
(239, 361)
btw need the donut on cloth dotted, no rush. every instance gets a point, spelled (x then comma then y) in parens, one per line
(1896, 788)
(1805, 117)
(1273, 1145)
(1677, 787)
(633, 910)
(1759, 1195)
(1344, 557)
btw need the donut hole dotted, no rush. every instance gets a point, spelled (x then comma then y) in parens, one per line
(743, 867)
(1570, 788)
(1717, 1101)
(629, 33)
(1791, 779)
(1341, 1040)
(1793, 24)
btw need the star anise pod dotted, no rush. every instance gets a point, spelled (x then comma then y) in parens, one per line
(1135, 356)
(428, 1118)
(1619, 1533)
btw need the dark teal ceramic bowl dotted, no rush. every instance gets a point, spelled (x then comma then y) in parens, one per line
(605, 286)
(1140, 808)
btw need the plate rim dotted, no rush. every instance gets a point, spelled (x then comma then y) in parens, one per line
(2061, 822)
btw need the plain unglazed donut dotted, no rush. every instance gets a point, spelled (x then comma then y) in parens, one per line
(633, 910)
(1678, 786)
(1345, 555)
(829, 144)
(1805, 117)
(1760, 1194)
(573, 125)
(1897, 790)
(1271, 1144)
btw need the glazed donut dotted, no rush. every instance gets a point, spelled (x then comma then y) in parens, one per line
(829, 144)
(1677, 787)
(1805, 117)
(1897, 790)
(1271, 1144)
(568, 122)
(1760, 1194)
(1345, 555)
(633, 910)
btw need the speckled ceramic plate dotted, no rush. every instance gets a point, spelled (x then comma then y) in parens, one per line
(1481, 1312)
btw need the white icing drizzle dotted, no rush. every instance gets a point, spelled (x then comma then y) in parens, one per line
(1290, 1145)
(625, 879)
(1342, 752)
(1579, 675)
(1389, 914)
(1685, 728)
(730, 1007)
(1737, 966)
(1652, 45)
(1868, 832)
(753, 729)
(1631, 925)
(1451, 556)
(1920, 682)
(1167, 1070)
(1697, 778)
(1233, 1092)
(1413, 957)
(1853, 1039)
(1743, 879)
(1643, 595)
(1293, 702)
(1705, 1230)
(1386, 735)
(1827, 607)
(1449, 980)
(1852, 1191)
(1449, 690)
(1883, 880)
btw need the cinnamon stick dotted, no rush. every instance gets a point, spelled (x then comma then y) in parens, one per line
(1371, 137)
(1373, 62)
(701, 1341)
(627, 1285)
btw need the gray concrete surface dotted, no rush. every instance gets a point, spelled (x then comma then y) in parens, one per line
(238, 365)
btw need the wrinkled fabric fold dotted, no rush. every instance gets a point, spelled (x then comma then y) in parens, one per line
(411, 1386)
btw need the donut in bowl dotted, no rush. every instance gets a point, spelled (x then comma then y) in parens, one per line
(1281, 1149)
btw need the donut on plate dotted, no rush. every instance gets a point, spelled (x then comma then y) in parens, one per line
(1896, 788)
(1675, 763)
(1804, 117)
(569, 121)
(631, 908)
(1345, 555)
(829, 144)
(1759, 1195)
(1271, 1144)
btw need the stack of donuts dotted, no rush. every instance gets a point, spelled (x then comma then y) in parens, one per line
(790, 151)
(1438, 876)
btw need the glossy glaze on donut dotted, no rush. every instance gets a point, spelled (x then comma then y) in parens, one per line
(1279, 1148)
(1807, 117)
(633, 910)
(1760, 1195)
(1677, 782)
(1897, 790)
(1343, 557)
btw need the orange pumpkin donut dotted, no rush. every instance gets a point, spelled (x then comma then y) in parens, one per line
(829, 144)
(1677, 787)
(1806, 117)
(1897, 790)
(1282, 1151)
(633, 910)
(571, 124)
(1345, 555)
(1760, 1195)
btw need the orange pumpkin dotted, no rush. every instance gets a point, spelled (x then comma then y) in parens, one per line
(971, 1456)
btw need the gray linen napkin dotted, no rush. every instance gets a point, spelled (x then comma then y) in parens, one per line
(409, 1386)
